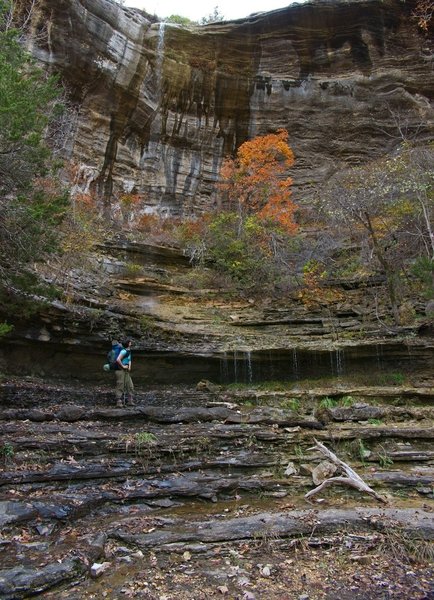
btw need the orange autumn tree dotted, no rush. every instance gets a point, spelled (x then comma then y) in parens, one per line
(423, 13)
(256, 181)
(249, 242)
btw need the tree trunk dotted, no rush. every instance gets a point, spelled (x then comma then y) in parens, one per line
(389, 272)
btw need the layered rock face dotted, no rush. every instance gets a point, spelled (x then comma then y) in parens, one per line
(156, 107)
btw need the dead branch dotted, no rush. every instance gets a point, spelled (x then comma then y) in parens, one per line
(352, 478)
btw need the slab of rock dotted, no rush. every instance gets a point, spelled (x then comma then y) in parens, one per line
(291, 523)
(357, 412)
(14, 512)
(22, 582)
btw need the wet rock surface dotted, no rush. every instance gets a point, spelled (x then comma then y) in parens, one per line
(206, 335)
(185, 495)
(198, 491)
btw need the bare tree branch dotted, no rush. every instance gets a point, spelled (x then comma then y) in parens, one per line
(352, 478)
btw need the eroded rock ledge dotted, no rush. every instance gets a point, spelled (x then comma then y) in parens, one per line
(156, 107)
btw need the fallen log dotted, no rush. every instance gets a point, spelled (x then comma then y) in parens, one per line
(352, 478)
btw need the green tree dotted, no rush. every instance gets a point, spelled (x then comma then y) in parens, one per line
(254, 254)
(214, 17)
(178, 20)
(27, 96)
(245, 255)
(32, 201)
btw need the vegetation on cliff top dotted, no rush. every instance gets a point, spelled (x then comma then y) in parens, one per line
(374, 220)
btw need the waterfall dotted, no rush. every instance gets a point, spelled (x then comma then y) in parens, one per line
(295, 370)
(235, 366)
(248, 355)
(339, 361)
(224, 368)
(159, 63)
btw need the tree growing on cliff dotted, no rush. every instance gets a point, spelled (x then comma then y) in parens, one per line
(423, 14)
(27, 103)
(251, 239)
(214, 17)
(388, 207)
(411, 174)
(32, 202)
(256, 256)
(256, 181)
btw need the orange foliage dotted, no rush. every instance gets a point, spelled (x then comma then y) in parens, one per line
(156, 224)
(85, 200)
(423, 13)
(257, 178)
(148, 223)
(194, 229)
(159, 229)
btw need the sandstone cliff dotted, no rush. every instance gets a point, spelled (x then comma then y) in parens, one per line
(155, 107)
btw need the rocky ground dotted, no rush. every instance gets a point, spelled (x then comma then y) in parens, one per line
(198, 492)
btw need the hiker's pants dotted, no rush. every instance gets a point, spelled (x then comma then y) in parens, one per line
(124, 384)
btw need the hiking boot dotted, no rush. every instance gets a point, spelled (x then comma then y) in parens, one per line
(119, 404)
(130, 402)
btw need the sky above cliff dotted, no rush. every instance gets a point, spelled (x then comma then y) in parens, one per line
(194, 10)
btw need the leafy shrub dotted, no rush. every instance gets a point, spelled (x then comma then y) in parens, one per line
(346, 401)
(133, 269)
(423, 271)
(250, 251)
(5, 328)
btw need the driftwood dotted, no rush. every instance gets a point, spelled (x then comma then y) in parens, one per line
(352, 478)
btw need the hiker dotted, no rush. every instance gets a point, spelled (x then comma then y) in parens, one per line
(124, 383)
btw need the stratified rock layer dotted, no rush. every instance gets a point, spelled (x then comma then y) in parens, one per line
(156, 107)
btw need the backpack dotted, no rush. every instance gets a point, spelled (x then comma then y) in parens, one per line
(112, 356)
